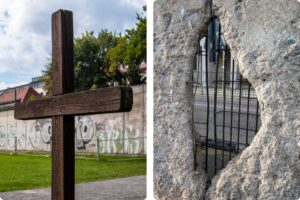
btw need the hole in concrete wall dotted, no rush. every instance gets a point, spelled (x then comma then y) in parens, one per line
(226, 110)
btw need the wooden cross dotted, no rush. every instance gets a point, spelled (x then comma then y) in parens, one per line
(64, 104)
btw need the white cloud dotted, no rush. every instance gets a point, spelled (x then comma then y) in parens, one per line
(135, 3)
(25, 28)
(5, 86)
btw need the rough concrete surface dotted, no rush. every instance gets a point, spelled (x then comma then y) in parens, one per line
(132, 188)
(264, 38)
(177, 30)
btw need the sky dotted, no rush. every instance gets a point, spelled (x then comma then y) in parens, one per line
(25, 30)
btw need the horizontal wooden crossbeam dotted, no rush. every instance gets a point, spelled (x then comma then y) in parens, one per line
(104, 100)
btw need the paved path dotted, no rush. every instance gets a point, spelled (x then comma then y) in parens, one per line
(132, 188)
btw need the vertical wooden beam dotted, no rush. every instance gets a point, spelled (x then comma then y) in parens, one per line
(62, 52)
(63, 163)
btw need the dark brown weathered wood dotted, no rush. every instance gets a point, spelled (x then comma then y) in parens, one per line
(104, 100)
(63, 158)
(63, 135)
(62, 52)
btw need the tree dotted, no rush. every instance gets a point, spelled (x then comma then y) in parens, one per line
(90, 61)
(97, 58)
(137, 47)
(116, 56)
(130, 51)
(136, 51)
(47, 77)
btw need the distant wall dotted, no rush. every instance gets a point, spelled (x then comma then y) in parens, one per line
(117, 133)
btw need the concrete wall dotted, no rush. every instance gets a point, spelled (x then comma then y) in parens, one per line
(116, 133)
(177, 32)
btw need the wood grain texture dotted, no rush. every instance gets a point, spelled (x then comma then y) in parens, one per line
(104, 100)
(63, 158)
(63, 134)
(62, 52)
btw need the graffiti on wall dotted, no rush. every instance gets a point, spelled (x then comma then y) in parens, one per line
(113, 135)
(21, 134)
(10, 134)
(110, 136)
(84, 131)
(2, 136)
(41, 132)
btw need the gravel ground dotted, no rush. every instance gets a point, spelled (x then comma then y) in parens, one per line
(132, 188)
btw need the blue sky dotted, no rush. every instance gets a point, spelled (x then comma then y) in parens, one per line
(25, 30)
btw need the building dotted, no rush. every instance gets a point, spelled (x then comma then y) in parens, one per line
(10, 96)
(36, 84)
(32, 90)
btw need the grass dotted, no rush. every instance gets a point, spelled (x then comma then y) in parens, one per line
(30, 170)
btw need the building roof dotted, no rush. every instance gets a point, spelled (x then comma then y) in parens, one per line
(22, 94)
(142, 68)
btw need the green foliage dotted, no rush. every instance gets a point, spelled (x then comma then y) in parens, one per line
(47, 78)
(90, 60)
(131, 51)
(97, 58)
(116, 55)
(31, 98)
(136, 50)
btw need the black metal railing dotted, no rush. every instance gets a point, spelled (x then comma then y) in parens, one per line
(226, 110)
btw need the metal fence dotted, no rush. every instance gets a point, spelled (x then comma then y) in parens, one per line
(226, 110)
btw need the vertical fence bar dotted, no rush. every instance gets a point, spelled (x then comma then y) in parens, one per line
(193, 113)
(215, 99)
(239, 114)
(199, 71)
(215, 115)
(200, 67)
(224, 107)
(248, 105)
(123, 131)
(143, 119)
(98, 152)
(256, 116)
(16, 144)
(231, 110)
(208, 103)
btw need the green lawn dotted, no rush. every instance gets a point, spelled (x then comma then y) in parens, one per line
(27, 171)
